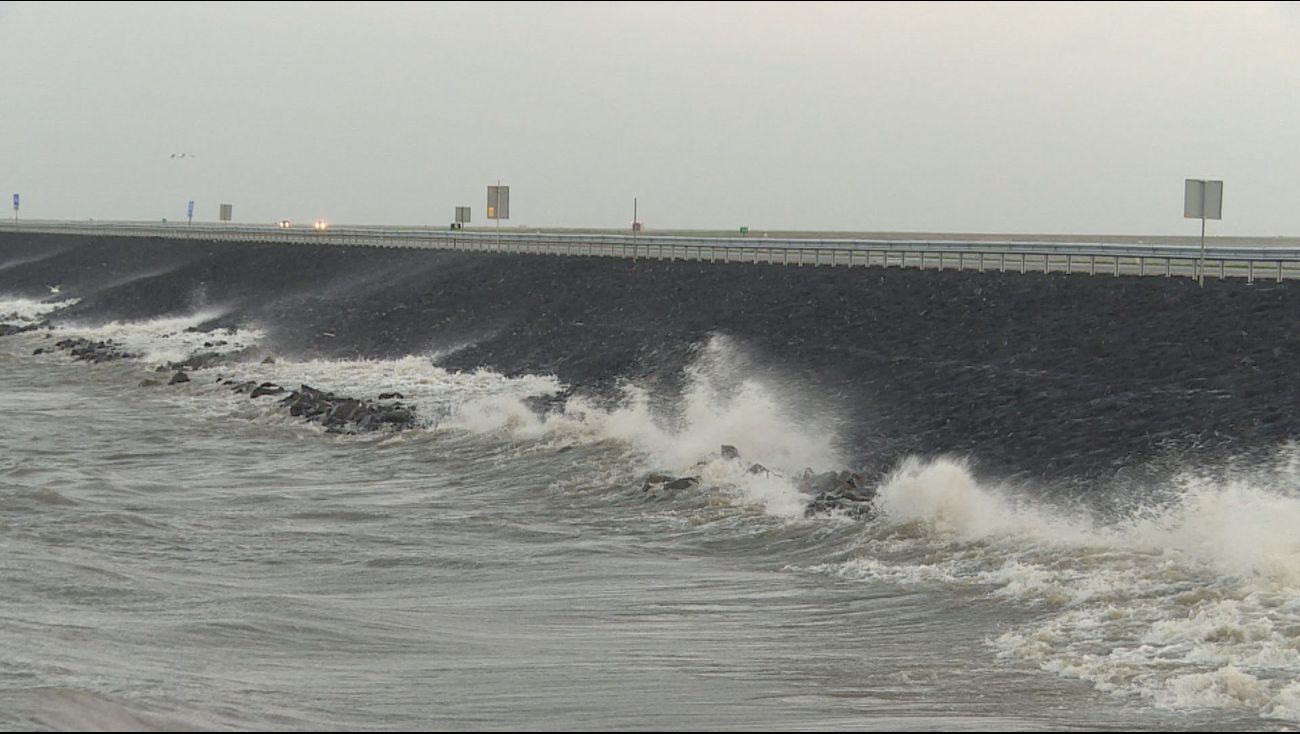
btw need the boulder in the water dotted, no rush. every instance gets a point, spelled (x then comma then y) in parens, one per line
(198, 361)
(266, 388)
(668, 481)
(342, 414)
(656, 480)
(11, 329)
(92, 351)
(842, 491)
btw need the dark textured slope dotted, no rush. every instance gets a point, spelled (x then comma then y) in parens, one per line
(1043, 375)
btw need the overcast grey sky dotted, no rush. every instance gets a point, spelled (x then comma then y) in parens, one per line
(1016, 118)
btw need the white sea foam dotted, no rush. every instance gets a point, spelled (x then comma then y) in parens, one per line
(722, 403)
(943, 495)
(167, 339)
(22, 311)
(719, 405)
(1190, 602)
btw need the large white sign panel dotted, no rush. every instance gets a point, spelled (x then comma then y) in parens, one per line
(1203, 199)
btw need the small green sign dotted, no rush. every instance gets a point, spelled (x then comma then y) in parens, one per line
(744, 230)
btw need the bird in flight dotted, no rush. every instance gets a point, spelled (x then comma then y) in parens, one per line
(182, 155)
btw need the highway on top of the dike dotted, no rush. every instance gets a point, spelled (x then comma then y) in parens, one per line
(1248, 258)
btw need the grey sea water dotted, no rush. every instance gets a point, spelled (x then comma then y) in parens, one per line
(172, 560)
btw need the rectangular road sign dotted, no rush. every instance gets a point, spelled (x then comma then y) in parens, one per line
(1203, 199)
(498, 202)
(15, 202)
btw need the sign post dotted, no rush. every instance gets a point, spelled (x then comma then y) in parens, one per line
(1202, 199)
(189, 214)
(498, 206)
(15, 207)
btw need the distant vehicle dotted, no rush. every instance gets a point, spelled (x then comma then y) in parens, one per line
(283, 223)
(321, 224)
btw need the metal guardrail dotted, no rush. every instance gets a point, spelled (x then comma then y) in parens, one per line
(1279, 262)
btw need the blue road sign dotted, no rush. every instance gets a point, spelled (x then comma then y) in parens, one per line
(189, 212)
(15, 202)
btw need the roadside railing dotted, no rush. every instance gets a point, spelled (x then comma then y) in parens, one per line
(1096, 258)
